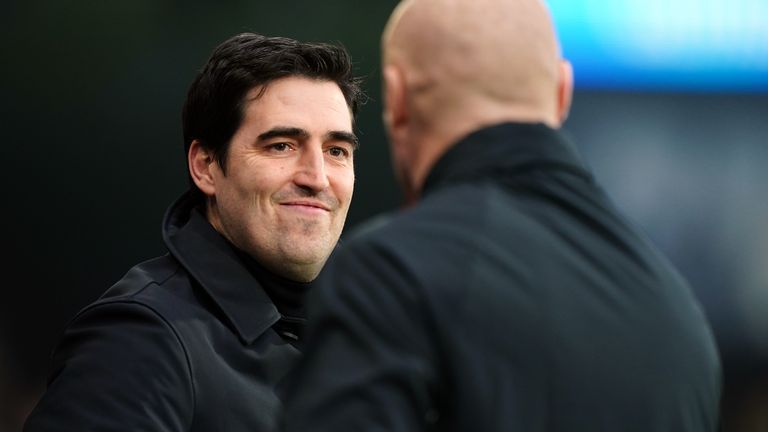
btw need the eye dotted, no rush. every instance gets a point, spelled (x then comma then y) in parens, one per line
(338, 152)
(279, 146)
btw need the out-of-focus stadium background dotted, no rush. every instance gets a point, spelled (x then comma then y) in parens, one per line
(671, 112)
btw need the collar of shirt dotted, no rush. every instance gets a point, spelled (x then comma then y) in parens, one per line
(510, 148)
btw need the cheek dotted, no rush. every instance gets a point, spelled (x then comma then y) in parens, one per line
(261, 182)
(346, 187)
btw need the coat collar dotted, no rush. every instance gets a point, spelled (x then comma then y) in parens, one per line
(214, 263)
(509, 148)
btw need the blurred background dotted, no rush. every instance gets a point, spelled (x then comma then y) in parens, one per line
(671, 112)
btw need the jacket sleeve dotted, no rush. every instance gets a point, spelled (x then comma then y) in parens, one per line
(368, 364)
(119, 367)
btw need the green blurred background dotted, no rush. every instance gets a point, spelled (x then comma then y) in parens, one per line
(92, 155)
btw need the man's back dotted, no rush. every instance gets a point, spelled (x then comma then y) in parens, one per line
(513, 297)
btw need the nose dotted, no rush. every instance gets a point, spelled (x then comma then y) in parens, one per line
(311, 170)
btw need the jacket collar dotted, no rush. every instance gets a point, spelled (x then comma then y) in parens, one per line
(510, 148)
(214, 263)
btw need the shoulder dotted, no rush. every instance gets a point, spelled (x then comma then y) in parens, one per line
(124, 333)
(119, 365)
(160, 284)
(156, 271)
(121, 343)
(412, 251)
(139, 314)
(446, 231)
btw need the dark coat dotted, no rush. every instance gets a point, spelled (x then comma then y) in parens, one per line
(184, 342)
(512, 297)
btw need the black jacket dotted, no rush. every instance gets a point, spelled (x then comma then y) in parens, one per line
(184, 342)
(512, 297)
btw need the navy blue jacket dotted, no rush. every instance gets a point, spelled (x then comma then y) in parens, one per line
(188, 341)
(512, 297)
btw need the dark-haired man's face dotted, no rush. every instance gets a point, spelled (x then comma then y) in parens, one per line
(289, 177)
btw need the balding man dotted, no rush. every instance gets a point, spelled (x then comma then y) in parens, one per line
(512, 296)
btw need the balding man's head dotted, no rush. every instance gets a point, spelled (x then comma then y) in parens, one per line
(463, 64)
(502, 50)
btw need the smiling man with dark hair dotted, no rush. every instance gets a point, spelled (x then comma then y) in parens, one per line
(200, 338)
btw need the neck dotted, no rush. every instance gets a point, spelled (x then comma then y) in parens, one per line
(287, 295)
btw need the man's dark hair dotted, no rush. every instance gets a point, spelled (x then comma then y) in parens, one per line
(216, 99)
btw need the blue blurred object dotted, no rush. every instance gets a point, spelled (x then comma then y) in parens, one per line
(684, 45)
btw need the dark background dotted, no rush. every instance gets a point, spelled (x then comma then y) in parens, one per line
(92, 155)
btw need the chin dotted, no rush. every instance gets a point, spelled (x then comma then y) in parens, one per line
(304, 271)
(304, 251)
(308, 259)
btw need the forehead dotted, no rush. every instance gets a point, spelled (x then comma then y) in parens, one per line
(311, 104)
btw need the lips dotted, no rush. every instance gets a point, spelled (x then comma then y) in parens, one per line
(307, 204)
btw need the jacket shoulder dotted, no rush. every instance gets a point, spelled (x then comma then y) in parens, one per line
(155, 271)
(161, 284)
(120, 365)
(458, 221)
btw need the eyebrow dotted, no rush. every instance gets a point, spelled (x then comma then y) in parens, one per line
(343, 136)
(289, 132)
(298, 133)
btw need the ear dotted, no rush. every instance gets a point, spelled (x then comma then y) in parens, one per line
(564, 90)
(397, 122)
(201, 162)
(395, 107)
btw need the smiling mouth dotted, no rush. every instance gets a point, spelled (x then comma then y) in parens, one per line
(307, 206)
